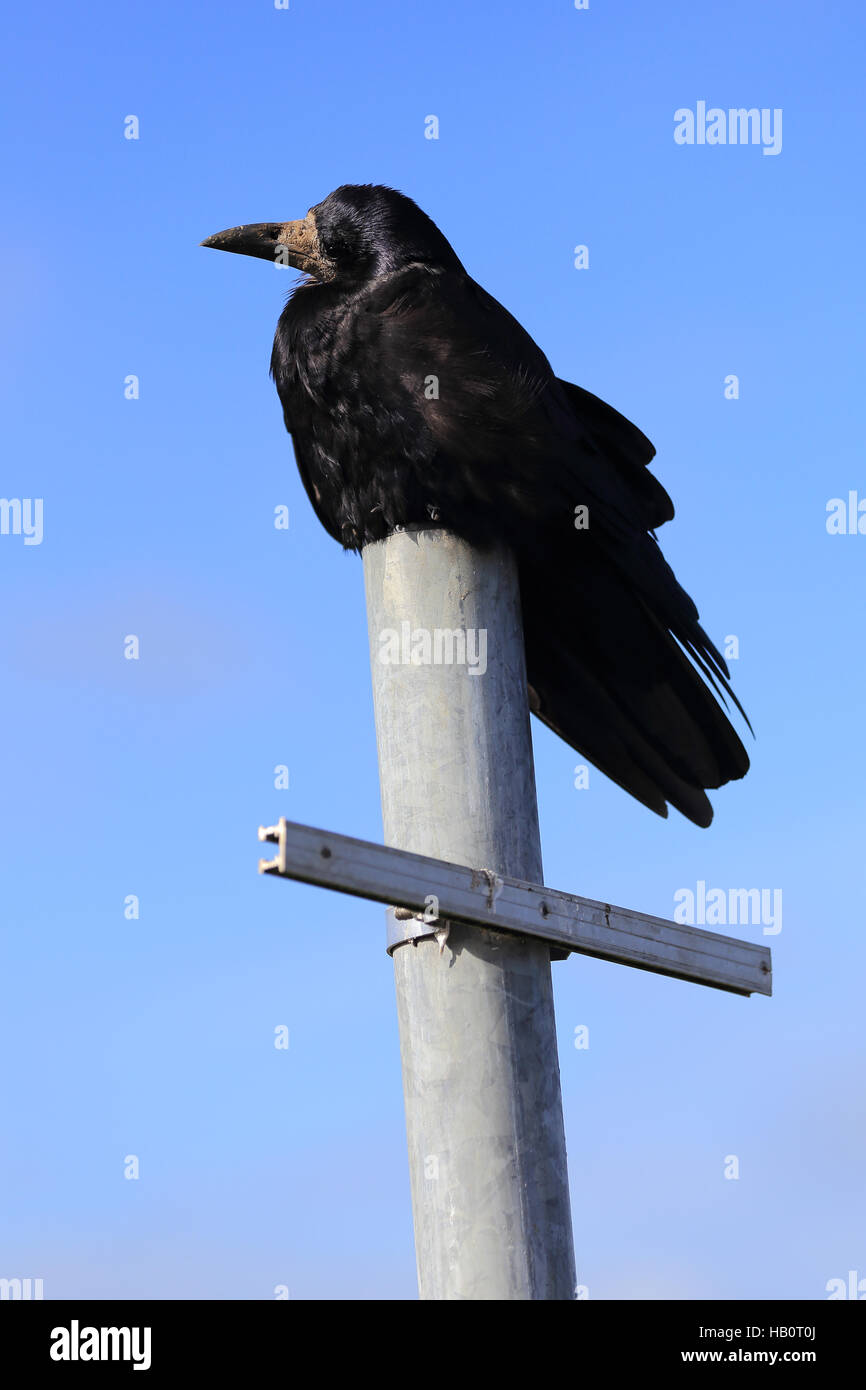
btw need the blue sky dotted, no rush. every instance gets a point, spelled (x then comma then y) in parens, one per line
(154, 1036)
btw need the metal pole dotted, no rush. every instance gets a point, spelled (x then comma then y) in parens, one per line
(477, 1031)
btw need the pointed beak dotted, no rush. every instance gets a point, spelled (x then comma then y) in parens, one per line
(255, 239)
(285, 243)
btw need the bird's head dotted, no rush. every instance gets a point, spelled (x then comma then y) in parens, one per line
(359, 232)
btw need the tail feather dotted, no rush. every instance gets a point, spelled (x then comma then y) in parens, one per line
(610, 679)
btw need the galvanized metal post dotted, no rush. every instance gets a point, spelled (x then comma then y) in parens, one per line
(477, 1034)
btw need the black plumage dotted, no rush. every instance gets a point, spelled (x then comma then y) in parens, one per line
(413, 397)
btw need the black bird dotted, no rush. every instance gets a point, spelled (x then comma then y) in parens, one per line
(413, 397)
